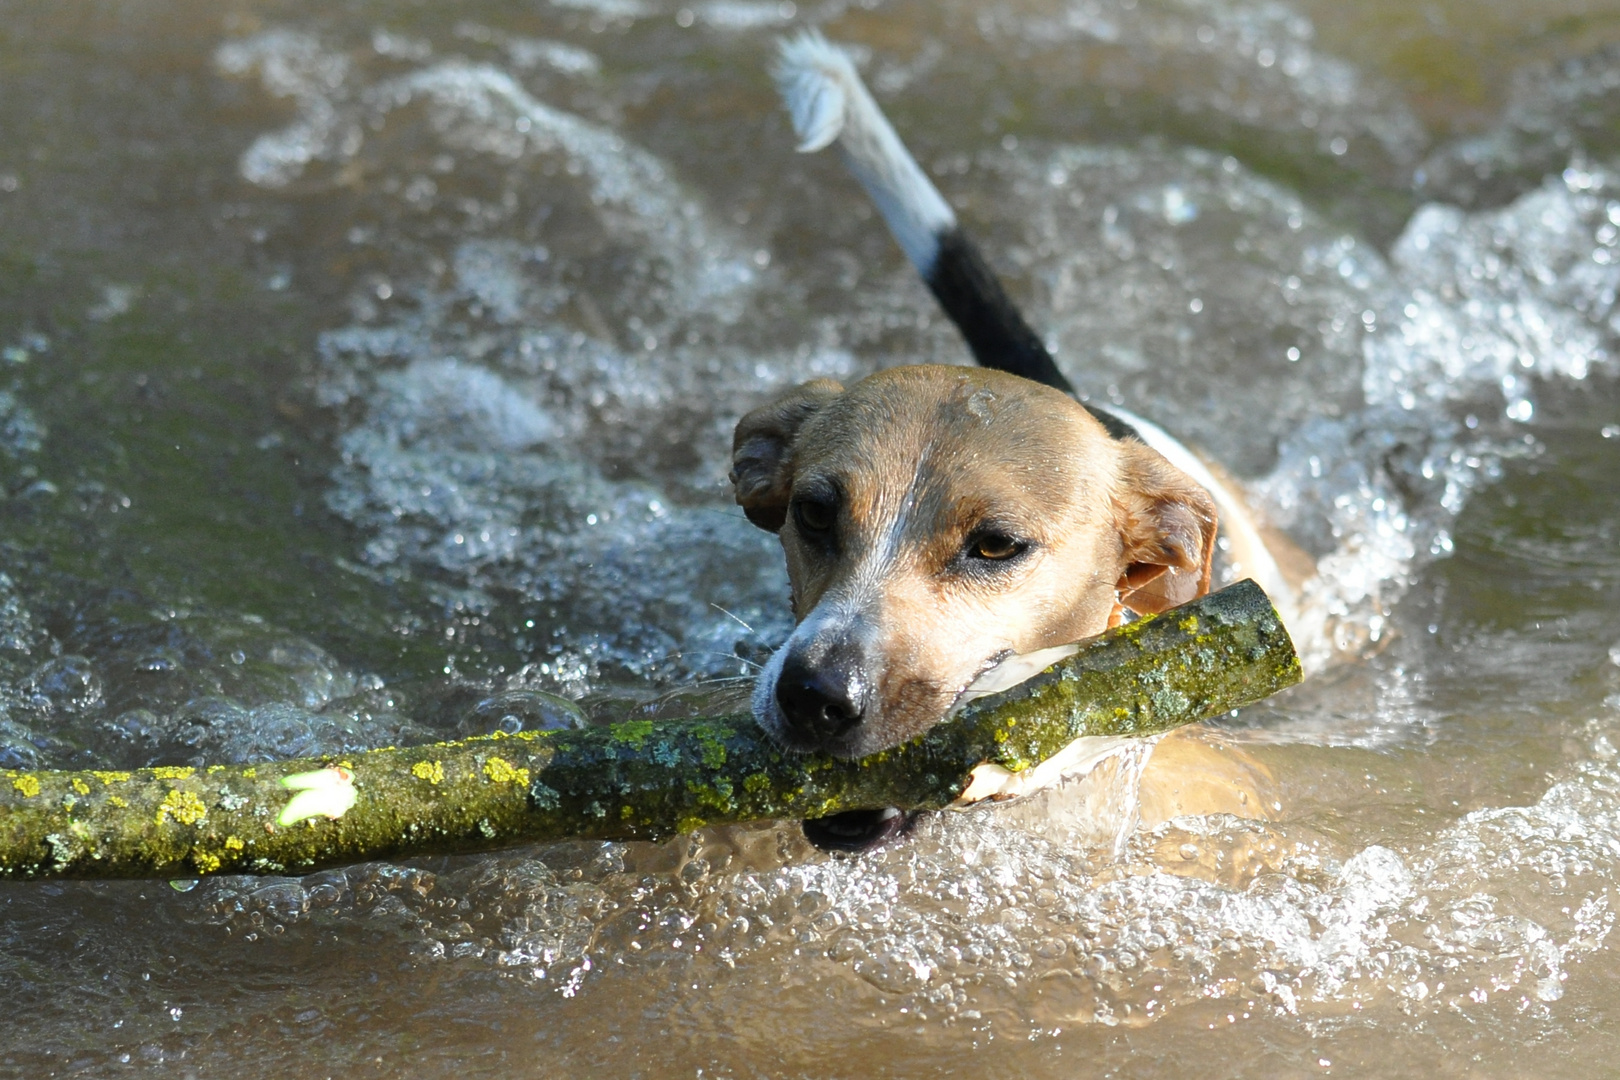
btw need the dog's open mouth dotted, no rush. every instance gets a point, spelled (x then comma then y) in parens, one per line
(857, 831)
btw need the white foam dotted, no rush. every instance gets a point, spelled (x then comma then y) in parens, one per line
(1503, 296)
(557, 55)
(739, 15)
(292, 64)
(482, 109)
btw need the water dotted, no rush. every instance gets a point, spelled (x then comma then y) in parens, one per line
(367, 375)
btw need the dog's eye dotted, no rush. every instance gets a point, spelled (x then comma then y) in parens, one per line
(815, 515)
(996, 547)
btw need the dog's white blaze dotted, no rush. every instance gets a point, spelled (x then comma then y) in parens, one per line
(828, 102)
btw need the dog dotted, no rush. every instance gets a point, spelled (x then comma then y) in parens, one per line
(938, 520)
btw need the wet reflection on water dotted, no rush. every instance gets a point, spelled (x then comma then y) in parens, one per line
(367, 378)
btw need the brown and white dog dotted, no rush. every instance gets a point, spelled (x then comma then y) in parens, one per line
(938, 520)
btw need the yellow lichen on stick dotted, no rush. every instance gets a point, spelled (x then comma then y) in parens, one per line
(181, 806)
(501, 771)
(639, 779)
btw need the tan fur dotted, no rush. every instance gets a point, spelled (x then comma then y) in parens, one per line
(920, 460)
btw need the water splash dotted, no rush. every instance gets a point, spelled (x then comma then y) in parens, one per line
(536, 415)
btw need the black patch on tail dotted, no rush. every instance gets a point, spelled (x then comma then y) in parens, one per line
(995, 330)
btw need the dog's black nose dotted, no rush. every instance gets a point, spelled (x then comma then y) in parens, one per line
(823, 701)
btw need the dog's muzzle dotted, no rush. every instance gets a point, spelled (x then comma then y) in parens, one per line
(821, 695)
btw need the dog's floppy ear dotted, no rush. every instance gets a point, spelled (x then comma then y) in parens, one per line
(1167, 524)
(762, 451)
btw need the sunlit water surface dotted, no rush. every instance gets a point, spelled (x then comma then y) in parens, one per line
(362, 362)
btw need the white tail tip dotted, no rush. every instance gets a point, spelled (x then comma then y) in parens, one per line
(815, 78)
(829, 103)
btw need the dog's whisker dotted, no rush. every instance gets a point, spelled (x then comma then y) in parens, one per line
(680, 654)
(719, 680)
(732, 617)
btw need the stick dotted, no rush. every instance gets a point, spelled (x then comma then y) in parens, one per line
(635, 780)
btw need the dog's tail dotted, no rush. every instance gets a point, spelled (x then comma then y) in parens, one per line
(829, 103)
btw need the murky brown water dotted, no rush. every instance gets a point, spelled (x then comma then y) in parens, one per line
(360, 361)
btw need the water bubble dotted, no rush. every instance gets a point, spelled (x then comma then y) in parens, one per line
(67, 684)
(521, 710)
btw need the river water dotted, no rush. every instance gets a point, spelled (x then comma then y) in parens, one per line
(360, 363)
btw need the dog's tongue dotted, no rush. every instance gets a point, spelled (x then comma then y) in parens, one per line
(858, 830)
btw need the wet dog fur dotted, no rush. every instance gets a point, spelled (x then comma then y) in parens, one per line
(938, 519)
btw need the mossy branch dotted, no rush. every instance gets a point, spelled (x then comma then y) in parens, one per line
(632, 780)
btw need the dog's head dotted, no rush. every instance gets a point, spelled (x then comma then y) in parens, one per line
(937, 519)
